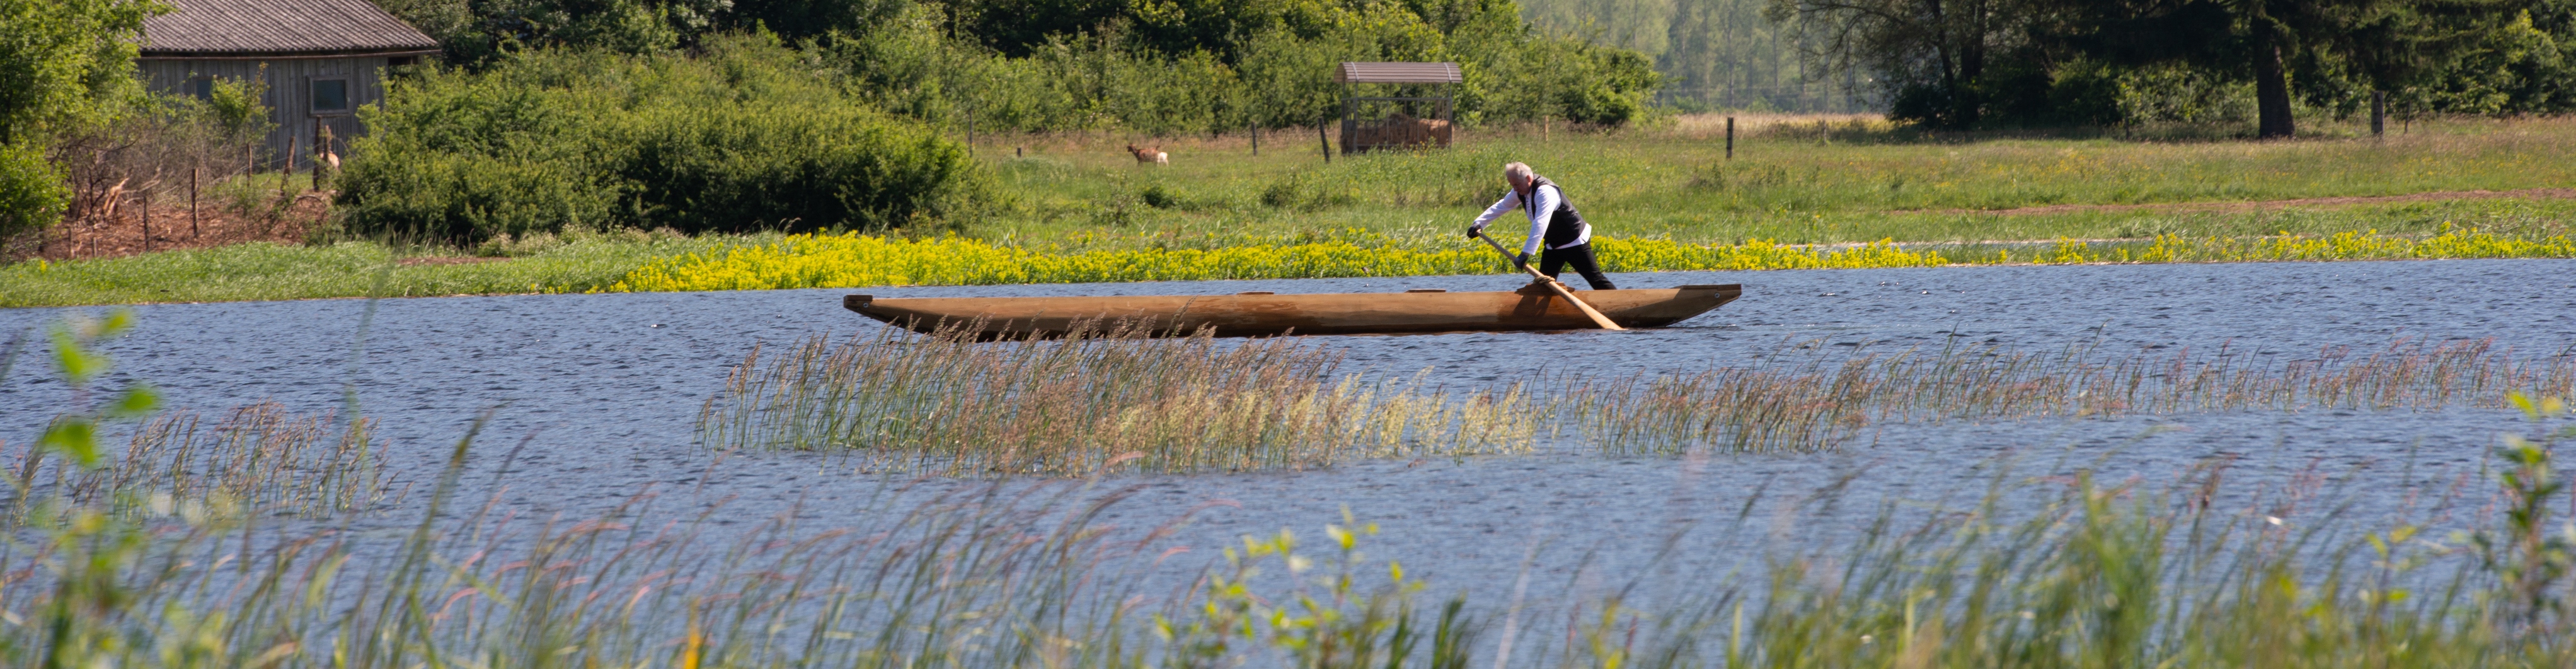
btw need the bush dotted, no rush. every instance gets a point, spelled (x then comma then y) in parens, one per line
(745, 136)
(32, 196)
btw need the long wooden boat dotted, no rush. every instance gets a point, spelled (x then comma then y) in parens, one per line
(1253, 314)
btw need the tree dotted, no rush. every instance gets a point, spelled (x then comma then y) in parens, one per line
(1933, 56)
(2328, 47)
(65, 65)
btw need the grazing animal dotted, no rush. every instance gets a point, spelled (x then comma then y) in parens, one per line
(1401, 130)
(1150, 154)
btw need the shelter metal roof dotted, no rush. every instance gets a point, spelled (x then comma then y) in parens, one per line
(279, 28)
(1399, 73)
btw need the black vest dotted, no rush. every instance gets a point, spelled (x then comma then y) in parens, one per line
(1563, 226)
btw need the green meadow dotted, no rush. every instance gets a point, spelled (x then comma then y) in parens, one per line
(1792, 180)
(1796, 180)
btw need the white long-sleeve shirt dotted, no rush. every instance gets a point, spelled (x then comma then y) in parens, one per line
(1541, 210)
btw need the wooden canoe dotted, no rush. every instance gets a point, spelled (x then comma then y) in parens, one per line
(1533, 307)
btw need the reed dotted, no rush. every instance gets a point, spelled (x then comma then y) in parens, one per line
(259, 458)
(1120, 401)
(1096, 400)
(1014, 575)
(2085, 575)
(1821, 401)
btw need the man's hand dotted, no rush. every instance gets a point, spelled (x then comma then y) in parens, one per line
(1474, 230)
(1522, 262)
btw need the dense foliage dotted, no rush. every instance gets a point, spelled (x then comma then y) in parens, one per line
(1713, 54)
(64, 67)
(1973, 63)
(744, 136)
(1152, 67)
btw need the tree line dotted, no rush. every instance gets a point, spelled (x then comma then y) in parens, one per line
(2026, 63)
(1153, 67)
(1988, 63)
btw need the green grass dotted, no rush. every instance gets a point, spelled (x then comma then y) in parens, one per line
(1789, 183)
(1792, 186)
(263, 271)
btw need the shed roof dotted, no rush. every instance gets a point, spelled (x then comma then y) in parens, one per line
(279, 28)
(1399, 73)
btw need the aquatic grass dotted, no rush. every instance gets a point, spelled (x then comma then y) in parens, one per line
(2037, 571)
(1823, 401)
(1117, 400)
(1038, 574)
(979, 578)
(259, 458)
(1105, 399)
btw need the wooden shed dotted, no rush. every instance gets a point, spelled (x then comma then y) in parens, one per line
(1397, 121)
(320, 59)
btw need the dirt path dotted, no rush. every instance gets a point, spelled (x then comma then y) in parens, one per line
(2525, 194)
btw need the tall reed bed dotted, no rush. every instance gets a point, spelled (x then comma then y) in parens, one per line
(1094, 400)
(1117, 399)
(1821, 401)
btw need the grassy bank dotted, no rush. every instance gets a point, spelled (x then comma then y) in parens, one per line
(1075, 209)
(849, 261)
(1797, 183)
(266, 271)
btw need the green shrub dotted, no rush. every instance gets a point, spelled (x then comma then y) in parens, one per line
(744, 136)
(32, 195)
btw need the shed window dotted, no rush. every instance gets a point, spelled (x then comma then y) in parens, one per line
(330, 95)
(202, 86)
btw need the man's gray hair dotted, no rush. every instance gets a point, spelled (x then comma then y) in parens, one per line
(1518, 172)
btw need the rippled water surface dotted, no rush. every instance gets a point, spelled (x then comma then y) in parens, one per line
(598, 394)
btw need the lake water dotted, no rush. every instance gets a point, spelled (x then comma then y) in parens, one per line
(598, 395)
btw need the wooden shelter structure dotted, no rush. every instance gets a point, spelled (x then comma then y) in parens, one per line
(1398, 121)
(319, 60)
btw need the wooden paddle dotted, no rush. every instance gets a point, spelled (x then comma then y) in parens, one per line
(1597, 318)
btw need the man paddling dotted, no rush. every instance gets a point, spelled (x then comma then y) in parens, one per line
(1553, 224)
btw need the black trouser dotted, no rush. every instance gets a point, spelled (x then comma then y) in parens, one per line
(1553, 261)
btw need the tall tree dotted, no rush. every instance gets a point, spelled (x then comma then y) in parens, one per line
(64, 65)
(1933, 56)
(2283, 45)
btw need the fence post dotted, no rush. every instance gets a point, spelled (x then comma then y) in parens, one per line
(1256, 139)
(2378, 113)
(286, 170)
(1730, 138)
(1321, 140)
(193, 232)
(321, 146)
(145, 205)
